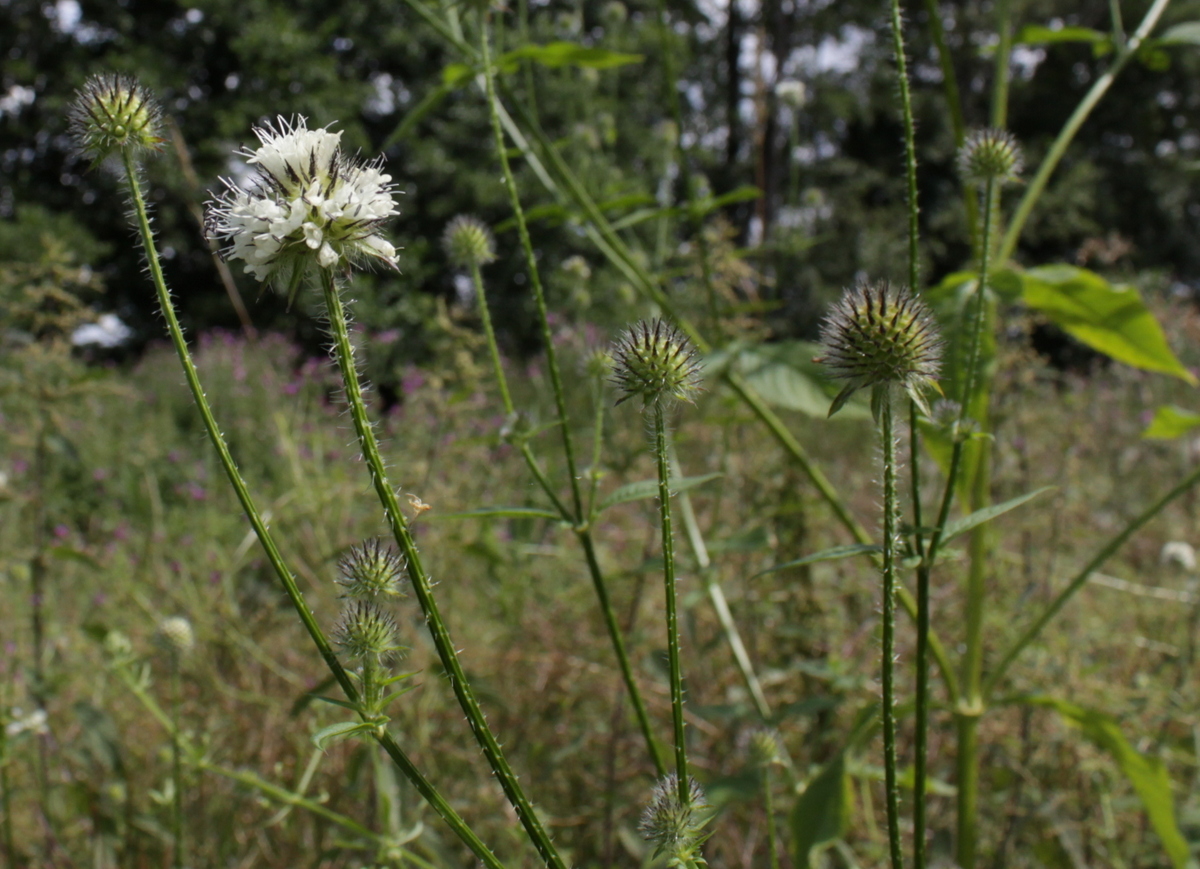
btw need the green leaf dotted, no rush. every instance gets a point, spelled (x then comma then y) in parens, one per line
(344, 704)
(825, 555)
(649, 489)
(987, 514)
(500, 513)
(822, 813)
(341, 730)
(784, 374)
(1148, 775)
(1036, 34)
(559, 54)
(1171, 422)
(1107, 317)
(456, 74)
(1186, 33)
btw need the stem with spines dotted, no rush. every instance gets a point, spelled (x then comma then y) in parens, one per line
(285, 576)
(891, 509)
(422, 590)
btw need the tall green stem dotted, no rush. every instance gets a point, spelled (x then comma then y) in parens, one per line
(1050, 162)
(891, 510)
(910, 146)
(285, 576)
(921, 700)
(999, 116)
(420, 580)
(176, 765)
(668, 550)
(535, 279)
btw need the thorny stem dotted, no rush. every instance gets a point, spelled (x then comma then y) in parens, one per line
(668, 551)
(535, 279)
(420, 580)
(921, 701)
(285, 576)
(910, 147)
(891, 509)
(176, 764)
(582, 531)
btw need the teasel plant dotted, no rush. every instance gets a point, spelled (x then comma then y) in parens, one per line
(881, 337)
(332, 208)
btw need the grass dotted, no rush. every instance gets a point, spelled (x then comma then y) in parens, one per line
(143, 528)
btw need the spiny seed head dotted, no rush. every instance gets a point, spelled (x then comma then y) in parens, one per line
(468, 242)
(599, 364)
(114, 113)
(367, 631)
(175, 636)
(369, 570)
(879, 334)
(656, 361)
(764, 748)
(990, 155)
(676, 828)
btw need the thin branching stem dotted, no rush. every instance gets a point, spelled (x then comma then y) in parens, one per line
(282, 572)
(422, 590)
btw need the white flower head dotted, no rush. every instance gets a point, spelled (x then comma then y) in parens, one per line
(308, 203)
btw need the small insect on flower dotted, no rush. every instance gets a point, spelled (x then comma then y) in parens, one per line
(114, 113)
(308, 205)
(877, 335)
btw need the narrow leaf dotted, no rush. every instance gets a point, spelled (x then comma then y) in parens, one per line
(987, 514)
(1148, 775)
(822, 813)
(1187, 33)
(825, 555)
(1171, 422)
(558, 54)
(643, 489)
(1036, 34)
(341, 730)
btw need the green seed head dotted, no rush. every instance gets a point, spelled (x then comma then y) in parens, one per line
(676, 828)
(468, 242)
(175, 636)
(366, 631)
(370, 570)
(879, 334)
(114, 113)
(764, 749)
(656, 361)
(990, 155)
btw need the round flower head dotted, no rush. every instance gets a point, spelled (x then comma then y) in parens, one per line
(175, 635)
(879, 334)
(468, 242)
(990, 155)
(309, 204)
(656, 361)
(370, 570)
(114, 113)
(676, 828)
(365, 630)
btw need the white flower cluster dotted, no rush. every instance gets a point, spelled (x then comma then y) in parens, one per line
(308, 202)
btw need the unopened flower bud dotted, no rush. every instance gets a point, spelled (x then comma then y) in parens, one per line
(880, 334)
(175, 636)
(676, 828)
(370, 570)
(114, 113)
(468, 242)
(764, 748)
(367, 631)
(990, 155)
(654, 360)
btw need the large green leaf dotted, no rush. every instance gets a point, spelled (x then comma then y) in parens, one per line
(1148, 775)
(784, 374)
(1107, 317)
(822, 813)
(1171, 422)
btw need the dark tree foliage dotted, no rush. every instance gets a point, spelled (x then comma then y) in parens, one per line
(831, 170)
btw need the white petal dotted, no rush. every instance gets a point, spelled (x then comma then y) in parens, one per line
(327, 256)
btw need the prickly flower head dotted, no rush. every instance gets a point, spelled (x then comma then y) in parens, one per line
(367, 631)
(175, 636)
(990, 155)
(676, 827)
(656, 361)
(370, 570)
(309, 204)
(114, 113)
(468, 242)
(877, 335)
